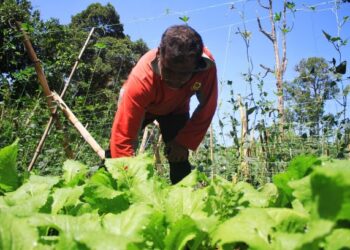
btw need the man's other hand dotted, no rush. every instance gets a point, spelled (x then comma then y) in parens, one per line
(175, 152)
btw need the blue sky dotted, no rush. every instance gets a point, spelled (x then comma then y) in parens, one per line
(217, 22)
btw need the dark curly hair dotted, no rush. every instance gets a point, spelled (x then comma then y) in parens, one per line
(180, 42)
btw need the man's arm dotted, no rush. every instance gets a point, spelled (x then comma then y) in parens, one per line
(194, 131)
(128, 119)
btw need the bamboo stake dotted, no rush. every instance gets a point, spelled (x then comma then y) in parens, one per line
(50, 122)
(158, 161)
(37, 66)
(77, 124)
(77, 62)
(45, 86)
(213, 172)
(144, 140)
(244, 133)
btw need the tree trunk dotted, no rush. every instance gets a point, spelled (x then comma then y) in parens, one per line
(280, 65)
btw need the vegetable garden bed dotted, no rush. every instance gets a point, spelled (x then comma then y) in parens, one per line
(128, 206)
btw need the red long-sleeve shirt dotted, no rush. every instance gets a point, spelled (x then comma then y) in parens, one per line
(145, 92)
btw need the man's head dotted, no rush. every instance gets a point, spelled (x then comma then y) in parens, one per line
(179, 54)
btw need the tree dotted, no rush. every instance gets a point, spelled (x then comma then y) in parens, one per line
(13, 66)
(103, 17)
(280, 57)
(309, 91)
(52, 43)
(112, 55)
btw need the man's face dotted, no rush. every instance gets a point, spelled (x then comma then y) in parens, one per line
(176, 74)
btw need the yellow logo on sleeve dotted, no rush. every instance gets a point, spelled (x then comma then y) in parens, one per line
(196, 86)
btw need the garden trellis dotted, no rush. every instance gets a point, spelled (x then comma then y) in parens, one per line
(58, 98)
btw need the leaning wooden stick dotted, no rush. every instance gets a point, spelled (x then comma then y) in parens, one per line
(50, 122)
(37, 66)
(144, 141)
(76, 63)
(45, 86)
(77, 124)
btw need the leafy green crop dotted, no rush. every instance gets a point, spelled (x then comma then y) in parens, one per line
(8, 173)
(129, 207)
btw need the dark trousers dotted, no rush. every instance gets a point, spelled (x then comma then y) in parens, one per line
(170, 125)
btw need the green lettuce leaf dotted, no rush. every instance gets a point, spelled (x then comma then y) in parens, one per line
(288, 220)
(252, 226)
(194, 179)
(331, 191)
(74, 173)
(286, 241)
(298, 168)
(184, 232)
(15, 233)
(105, 198)
(85, 230)
(222, 199)
(130, 171)
(315, 234)
(303, 193)
(185, 201)
(65, 197)
(129, 223)
(250, 197)
(338, 239)
(68, 224)
(262, 228)
(31, 196)
(9, 180)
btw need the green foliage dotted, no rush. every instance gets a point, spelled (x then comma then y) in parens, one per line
(106, 62)
(334, 39)
(291, 6)
(73, 172)
(105, 18)
(277, 17)
(13, 228)
(11, 48)
(9, 179)
(110, 209)
(330, 191)
(297, 169)
(339, 239)
(309, 92)
(184, 19)
(250, 197)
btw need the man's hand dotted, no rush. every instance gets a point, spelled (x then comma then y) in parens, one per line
(175, 152)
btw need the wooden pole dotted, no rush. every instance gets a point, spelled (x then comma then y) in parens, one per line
(37, 66)
(45, 86)
(50, 122)
(144, 140)
(244, 133)
(77, 124)
(213, 172)
(76, 63)
(158, 161)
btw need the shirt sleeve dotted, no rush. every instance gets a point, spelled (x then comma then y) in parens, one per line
(128, 118)
(195, 129)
